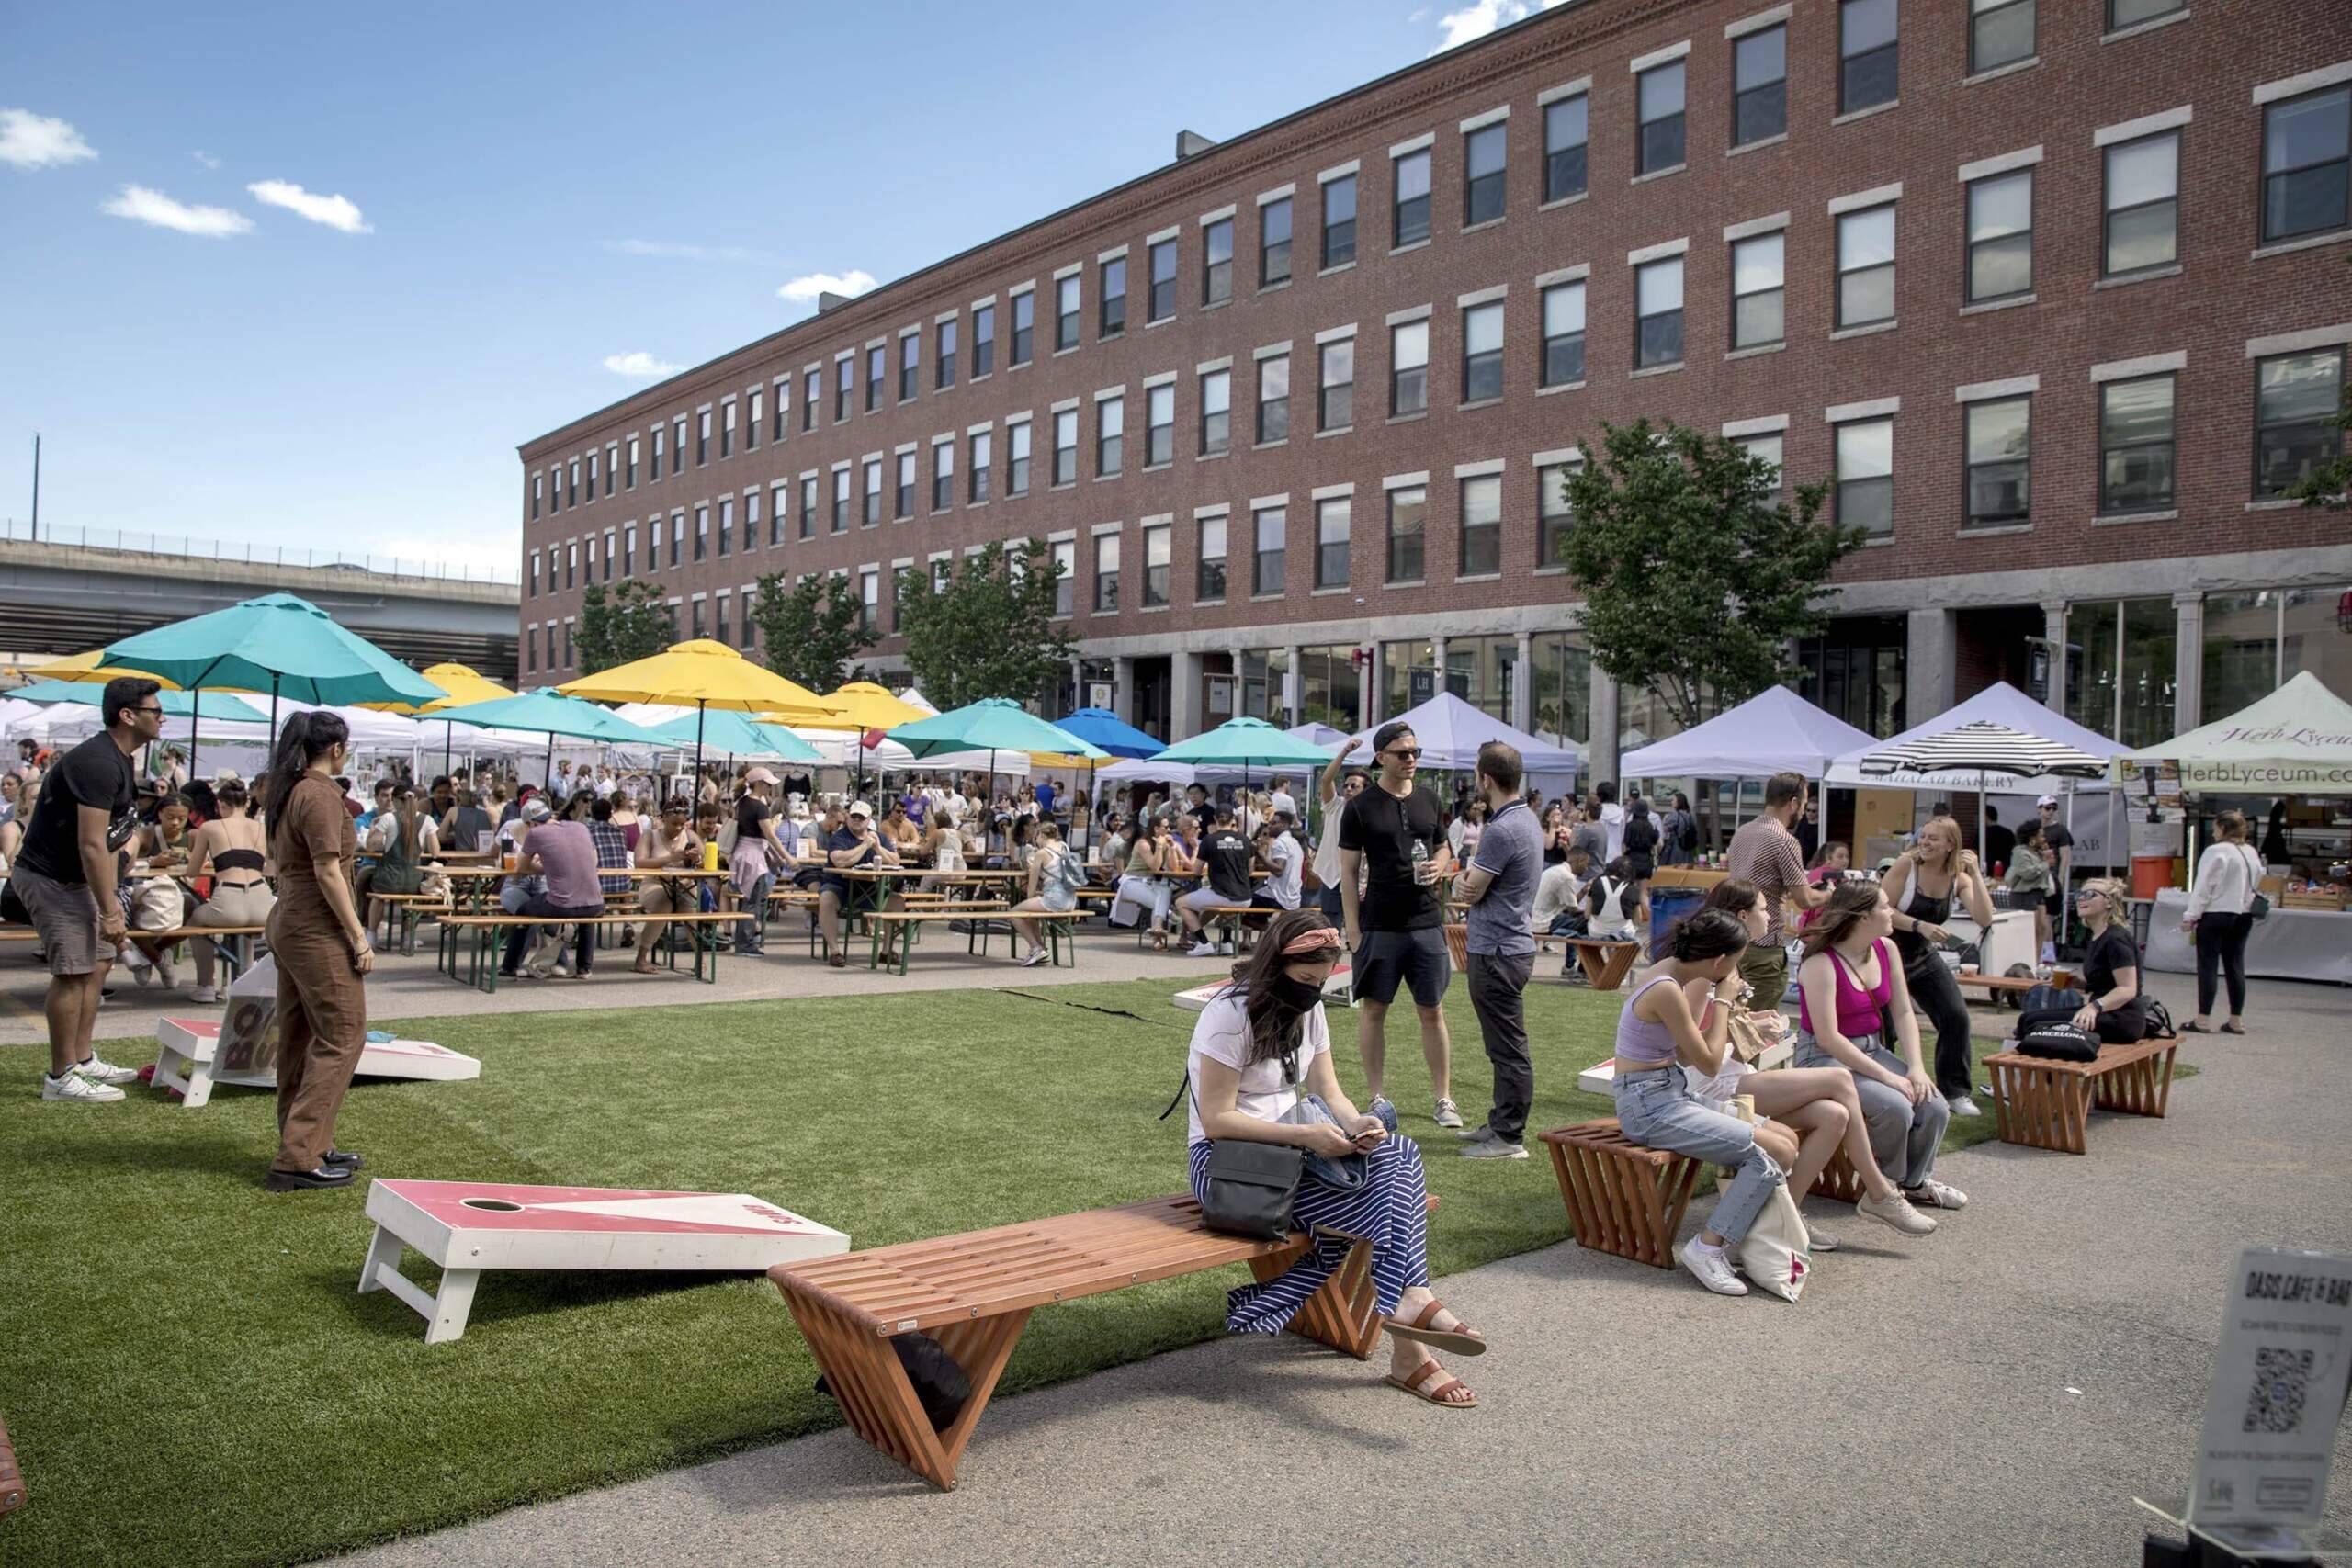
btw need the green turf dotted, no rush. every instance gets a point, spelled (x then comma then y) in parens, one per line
(191, 1378)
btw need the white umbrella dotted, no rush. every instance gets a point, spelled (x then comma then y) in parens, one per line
(1987, 750)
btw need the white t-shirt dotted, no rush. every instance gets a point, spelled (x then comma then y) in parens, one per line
(1221, 1035)
(1281, 801)
(1289, 863)
(1613, 826)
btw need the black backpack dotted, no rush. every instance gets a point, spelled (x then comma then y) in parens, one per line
(2046, 1026)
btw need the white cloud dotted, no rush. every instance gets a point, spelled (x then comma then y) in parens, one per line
(804, 290)
(640, 363)
(207, 159)
(671, 251)
(35, 141)
(334, 211)
(154, 207)
(1479, 18)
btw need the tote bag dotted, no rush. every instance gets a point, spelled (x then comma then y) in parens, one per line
(1777, 1252)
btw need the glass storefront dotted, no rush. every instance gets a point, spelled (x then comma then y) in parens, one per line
(1854, 671)
(1479, 670)
(1330, 688)
(1560, 707)
(2120, 668)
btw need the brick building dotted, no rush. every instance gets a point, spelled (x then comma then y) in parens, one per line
(2056, 291)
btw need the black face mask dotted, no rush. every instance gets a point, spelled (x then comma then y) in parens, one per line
(1296, 995)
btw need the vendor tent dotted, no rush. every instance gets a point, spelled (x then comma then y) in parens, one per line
(2297, 740)
(1776, 731)
(1450, 731)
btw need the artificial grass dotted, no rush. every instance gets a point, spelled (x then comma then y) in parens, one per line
(191, 1378)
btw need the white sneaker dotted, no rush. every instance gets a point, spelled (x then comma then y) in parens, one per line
(205, 994)
(74, 1085)
(142, 970)
(1036, 956)
(164, 970)
(1203, 950)
(1896, 1213)
(563, 966)
(98, 1070)
(1224, 950)
(1961, 1105)
(1446, 1114)
(1936, 1195)
(1711, 1267)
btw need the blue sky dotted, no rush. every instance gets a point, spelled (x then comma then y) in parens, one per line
(212, 343)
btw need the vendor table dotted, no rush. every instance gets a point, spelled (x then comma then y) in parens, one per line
(2293, 944)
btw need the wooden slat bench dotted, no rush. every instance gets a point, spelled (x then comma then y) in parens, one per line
(2045, 1104)
(1838, 1180)
(481, 956)
(2004, 989)
(1606, 964)
(974, 1293)
(1622, 1197)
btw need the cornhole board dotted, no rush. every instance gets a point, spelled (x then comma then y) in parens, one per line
(190, 1057)
(1601, 1077)
(467, 1227)
(1339, 989)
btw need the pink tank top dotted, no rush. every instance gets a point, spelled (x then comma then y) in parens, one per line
(1859, 1012)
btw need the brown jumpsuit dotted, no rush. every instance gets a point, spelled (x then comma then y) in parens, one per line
(322, 1005)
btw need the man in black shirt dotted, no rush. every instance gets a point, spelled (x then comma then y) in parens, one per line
(2058, 844)
(66, 874)
(2000, 844)
(1196, 801)
(1226, 855)
(1393, 930)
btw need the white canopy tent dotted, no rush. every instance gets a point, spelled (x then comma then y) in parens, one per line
(1776, 731)
(1450, 731)
(2297, 740)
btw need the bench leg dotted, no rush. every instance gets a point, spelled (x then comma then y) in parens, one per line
(879, 1402)
(1342, 1313)
(2040, 1108)
(2138, 1088)
(1618, 1205)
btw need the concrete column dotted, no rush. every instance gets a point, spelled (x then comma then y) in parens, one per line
(1184, 698)
(1522, 685)
(1076, 683)
(1930, 665)
(1236, 655)
(1293, 684)
(1437, 657)
(1376, 684)
(2053, 626)
(1601, 752)
(2188, 662)
(1123, 688)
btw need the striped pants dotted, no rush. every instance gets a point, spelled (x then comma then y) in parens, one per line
(1390, 1211)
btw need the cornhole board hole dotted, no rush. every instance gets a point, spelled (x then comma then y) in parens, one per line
(467, 1227)
(192, 1054)
(1338, 990)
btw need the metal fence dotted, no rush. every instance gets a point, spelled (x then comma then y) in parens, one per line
(19, 530)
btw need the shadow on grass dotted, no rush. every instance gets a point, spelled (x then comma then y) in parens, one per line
(504, 1296)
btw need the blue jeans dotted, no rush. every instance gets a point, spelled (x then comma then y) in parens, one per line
(1903, 1136)
(1656, 1110)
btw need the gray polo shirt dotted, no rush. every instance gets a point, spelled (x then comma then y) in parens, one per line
(1511, 852)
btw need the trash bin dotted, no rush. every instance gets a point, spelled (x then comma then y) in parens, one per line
(1669, 905)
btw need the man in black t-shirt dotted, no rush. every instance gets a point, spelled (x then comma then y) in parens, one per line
(2058, 845)
(1226, 853)
(1393, 928)
(65, 872)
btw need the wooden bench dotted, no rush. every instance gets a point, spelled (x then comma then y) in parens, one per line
(1606, 964)
(482, 953)
(405, 912)
(973, 1294)
(979, 927)
(1621, 1196)
(2046, 1104)
(2004, 989)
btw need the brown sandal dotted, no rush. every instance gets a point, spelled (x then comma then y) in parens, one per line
(1417, 1385)
(1460, 1340)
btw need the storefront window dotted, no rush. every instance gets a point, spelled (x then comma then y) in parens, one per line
(1330, 690)
(1263, 674)
(2316, 635)
(1854, 671)
(2127, 696)
(1408, 671)
(2241, 650)
(1479, 671)
(1561, 707)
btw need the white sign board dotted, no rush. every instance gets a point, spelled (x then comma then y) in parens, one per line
(2278, 1393)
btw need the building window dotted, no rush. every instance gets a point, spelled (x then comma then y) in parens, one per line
(2143, 204)
(1110, 284)
(982, 459)
(702, 532)
(1866, 267)
(2000, 236)
(2135, 445)
(1564, 334)
(1216, 412)
(2000, 32)
(718, 625)
(571, 481)
(840, 500)
(873, 513)
(1273, 398)
(752, 420)
(633, 449)
(1025, 327)
(2307, 164)
(1657, 292)
(1109, 435)
(1564, 148)
(629, 550)
(1338, 221)
(534, 576)
(1866, 53)
(1408, 510)
(943, 367)
(1159, 424)
(593, 467)
(783, 406)
(906, 487)
(1216, 261)
(869, 598)
(2295, 398)
(702, 441)
(809, 507)
(1016, 459)
(910, 365)
(1553, 516)
(701, 627)
(877, 369)
(726, 430)
(1482, 352)
(677, 539)
(2132, 13)
(1162, 302)
(1758, 291)
(1274, 242)
(1760, 86)
(1336, 395)
(1409, 368)
(726, 529)
(942, 572)
(1485, 156)
(609, 541)
(1208, 578)
(531, 650)
(612, 467)
(1482, 525)
(538, 489)
(1410, 225)
(812, 393)
(1066, 448)
(1106, 573)
(1334, 521)
(1065, 570)
(845, 378)
(1156, 564)
(1658, 98)
(1769, 449)
(1270, 526)
(1065, 302)
(779, 511)
(983, 340)
(1866, 476)
(942, 475)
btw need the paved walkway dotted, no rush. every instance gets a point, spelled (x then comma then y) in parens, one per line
(1996, 1393)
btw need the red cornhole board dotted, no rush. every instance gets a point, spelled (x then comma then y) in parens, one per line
(190, 1057)
(467, 1227)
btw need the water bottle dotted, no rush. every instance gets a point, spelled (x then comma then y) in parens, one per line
(1420, 858)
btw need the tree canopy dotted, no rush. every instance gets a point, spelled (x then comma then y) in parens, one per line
(812, 629)
(628, 623)
(989, 630)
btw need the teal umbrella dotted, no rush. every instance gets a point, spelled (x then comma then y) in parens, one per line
(277, 644)
(738, 735)
(223, 705)
(551, 713)
(1246, 743)
(991, 725)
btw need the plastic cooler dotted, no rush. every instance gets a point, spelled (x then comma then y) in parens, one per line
(1669, 905)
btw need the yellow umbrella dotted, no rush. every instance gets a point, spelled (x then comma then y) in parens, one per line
(865, 705)
(708, 675)
(460, 684)
(83, 667)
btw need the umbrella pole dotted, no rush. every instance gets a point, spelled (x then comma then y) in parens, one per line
(548, 769)
(194, 712)
(273, 710)
(701, 707)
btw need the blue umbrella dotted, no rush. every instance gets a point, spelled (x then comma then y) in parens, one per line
(1103, 729)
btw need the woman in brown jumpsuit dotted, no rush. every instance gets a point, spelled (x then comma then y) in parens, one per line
(322, 949)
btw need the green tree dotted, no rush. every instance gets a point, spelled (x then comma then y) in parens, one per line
(1698, 571)
(630, 623)
(812, 628)
(990, 631)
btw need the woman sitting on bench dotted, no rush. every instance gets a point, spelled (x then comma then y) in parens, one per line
(2116, 1012)
(1258, 1046)
(1055, 878)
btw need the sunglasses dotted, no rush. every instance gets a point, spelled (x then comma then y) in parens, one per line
(1405, 753)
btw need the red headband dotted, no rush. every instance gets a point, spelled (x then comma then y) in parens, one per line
(1311, 941)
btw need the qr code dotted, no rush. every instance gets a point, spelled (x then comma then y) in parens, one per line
(2275, 1402)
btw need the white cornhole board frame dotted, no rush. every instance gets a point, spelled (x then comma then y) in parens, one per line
(190, 1057)
(1338, 989)
(467, 1227)
(1601, 1077)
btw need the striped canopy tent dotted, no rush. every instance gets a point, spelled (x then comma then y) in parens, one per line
(1988, 749)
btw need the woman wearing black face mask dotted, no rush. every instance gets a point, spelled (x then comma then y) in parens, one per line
(1260, 1045)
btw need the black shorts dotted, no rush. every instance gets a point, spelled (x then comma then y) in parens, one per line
(1417, 958)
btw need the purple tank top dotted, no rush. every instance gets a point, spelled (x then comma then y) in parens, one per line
(1859, 1012)
(1642, 1045)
